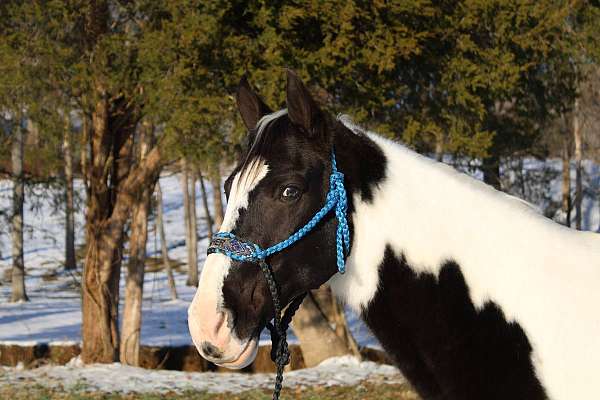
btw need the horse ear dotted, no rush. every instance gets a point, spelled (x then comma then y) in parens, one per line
(302, 108)
(250, 105)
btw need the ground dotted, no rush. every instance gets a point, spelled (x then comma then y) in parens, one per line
(367, 391)
(342, 377)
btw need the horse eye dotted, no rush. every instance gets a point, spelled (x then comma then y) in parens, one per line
(290, 193)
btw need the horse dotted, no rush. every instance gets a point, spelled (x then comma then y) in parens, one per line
(472, 293)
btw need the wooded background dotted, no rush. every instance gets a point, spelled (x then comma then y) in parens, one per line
(112, 92)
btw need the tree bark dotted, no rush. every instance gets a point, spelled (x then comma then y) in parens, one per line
(84, 152)
(70, 261)
(334, 313)
(193, 254)
(186, 198)
(18, 271)
(189, 206)
(318, 340)
(217, 199)
(578, 164)
(209, 221)
(114, 185)
(160, 225)
(134, 286)
(566, 181)
(100, 283)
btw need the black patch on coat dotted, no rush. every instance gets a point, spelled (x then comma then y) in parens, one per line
(447, 348)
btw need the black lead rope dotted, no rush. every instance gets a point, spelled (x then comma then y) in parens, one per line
(280, 353)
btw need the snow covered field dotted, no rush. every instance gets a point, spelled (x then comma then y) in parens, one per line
(341, 371)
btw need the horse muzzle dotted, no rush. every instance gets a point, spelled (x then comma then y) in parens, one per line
(210, 323)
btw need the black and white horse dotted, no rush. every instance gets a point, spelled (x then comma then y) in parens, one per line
(473, 294)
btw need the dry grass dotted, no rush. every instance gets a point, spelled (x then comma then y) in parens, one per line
(359, 392)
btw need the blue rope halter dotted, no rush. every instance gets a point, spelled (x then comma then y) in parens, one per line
(228, 244)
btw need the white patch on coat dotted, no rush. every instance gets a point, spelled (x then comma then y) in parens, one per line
(542, 275)
(205, 314)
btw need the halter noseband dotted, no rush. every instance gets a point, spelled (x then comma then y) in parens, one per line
(228, 244)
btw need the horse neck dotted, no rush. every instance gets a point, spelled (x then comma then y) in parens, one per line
(428, 213)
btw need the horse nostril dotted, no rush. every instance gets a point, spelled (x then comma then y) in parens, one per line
(210, 350)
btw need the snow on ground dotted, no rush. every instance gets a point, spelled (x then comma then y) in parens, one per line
(341, 371)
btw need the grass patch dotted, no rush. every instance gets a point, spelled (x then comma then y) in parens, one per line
(360, 392)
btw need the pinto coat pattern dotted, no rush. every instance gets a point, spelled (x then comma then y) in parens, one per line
(473, 294)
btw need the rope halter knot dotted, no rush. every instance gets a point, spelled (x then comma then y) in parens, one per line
(228, 244)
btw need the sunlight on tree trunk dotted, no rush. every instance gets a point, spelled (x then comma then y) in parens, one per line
(18, 271)
(190, 238)
(578, 166)
(566, 181)
(102, 263)
(209, 221)
(318, 340)
(334, 312)
(70, 262)
(115, 183)
(217, 199)
(84, 152)
(193, 250)
(160, 225)
(134, 286)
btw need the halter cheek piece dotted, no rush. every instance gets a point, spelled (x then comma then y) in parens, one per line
(229, 245)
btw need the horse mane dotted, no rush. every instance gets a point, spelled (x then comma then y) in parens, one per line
(263, 137)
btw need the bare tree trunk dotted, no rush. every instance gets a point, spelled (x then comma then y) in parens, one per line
(84, 155)
(578, 165)
(491, 172)
(439, 148)
(102, 265)
(318, 340)
(70, 262)
(160, 225)
(18, 271)
(209, 221)
(185, 184)
(115, 183)
(187, 215)
(217, 199)
(334, 313)
(193, 258)
(566, 181)
(134, 286)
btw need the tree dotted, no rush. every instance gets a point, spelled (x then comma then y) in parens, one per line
(163, 242)
(203, 194)
(191, 236)
(134, 285)
(70, 262)
(18, 272)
